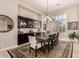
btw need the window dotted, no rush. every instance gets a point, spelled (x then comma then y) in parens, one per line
(61, 19)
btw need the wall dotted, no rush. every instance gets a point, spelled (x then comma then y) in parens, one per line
(9, 8)
(72, 15)
(78, 18)
(29, 14)
(24, 11)
(52, 27)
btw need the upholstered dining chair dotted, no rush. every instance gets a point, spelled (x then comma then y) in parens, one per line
(57, 38)
(54, 39)
(35, 45)
(51, 40)
(49, 43)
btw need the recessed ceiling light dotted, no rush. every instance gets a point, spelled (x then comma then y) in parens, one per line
(57, 4)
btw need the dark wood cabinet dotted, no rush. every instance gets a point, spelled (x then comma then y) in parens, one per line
(23, 38)
(24, 22)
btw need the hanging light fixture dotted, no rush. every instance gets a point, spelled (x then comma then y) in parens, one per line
(47, 8)
(47, 18)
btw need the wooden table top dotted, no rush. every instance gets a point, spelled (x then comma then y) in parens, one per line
(41, 38)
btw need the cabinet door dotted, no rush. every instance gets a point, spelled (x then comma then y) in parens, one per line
(22, 38)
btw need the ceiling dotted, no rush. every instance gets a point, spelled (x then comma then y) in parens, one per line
(53, 5)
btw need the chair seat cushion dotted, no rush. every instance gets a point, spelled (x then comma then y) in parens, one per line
(47, 43)
(38, 46)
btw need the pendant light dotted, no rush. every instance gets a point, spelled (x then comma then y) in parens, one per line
(46, 18)
(47, 14)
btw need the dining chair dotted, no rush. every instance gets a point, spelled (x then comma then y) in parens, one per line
(51, 40)
(54, 39)
(57, 38)
(49, 43)
(35, 45)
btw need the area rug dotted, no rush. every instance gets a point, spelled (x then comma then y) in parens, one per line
(62, 50)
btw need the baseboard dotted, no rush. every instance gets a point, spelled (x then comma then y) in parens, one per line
(15, 46)
(9, 47)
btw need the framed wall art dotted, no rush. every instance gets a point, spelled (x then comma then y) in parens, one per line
(72, 25)
(24, 22)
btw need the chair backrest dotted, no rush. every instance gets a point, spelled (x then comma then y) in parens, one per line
(32, 40)
(57, 35)
(51, 38)
(54, 36)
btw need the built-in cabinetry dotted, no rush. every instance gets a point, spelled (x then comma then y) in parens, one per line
(24, 22)
(23, 38)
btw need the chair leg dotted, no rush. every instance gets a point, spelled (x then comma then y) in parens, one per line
(52, 46)
(48, 48)
(36, 52)
(29, 49)
(43, 48)
(55, 43)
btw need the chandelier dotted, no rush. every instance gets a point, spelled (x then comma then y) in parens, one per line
(46, 18)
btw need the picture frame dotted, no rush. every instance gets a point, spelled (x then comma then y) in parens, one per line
(72, 25)
(24, 22)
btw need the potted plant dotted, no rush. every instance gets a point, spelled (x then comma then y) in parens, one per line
(72, 36)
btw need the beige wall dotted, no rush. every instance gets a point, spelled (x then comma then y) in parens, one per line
(24, 11)
(78, 18)
(29, 14)
(52, 27)
(72, 12)
(9, 8)
(72, 15)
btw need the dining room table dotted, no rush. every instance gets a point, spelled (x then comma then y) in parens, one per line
(43, 39)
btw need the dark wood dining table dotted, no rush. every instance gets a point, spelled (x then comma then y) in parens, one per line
(43, 40)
